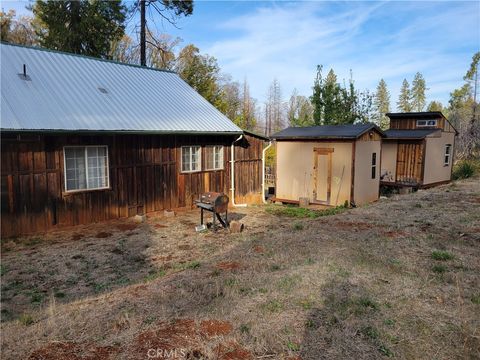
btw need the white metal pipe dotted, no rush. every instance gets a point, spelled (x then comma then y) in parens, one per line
(232, 172)
(263, 171)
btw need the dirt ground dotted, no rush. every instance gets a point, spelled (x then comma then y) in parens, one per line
(399, 278)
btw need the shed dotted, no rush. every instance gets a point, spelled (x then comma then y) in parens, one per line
(85, 140)
(329, 165)
(418, 150)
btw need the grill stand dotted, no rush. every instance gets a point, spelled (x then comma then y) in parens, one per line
(208, 207)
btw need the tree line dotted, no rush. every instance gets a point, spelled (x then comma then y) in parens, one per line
(97, 28)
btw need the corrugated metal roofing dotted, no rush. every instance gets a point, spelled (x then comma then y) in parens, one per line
(410, 134)
(65, 92)
(326, 132)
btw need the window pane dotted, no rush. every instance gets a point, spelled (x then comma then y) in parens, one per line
(210, 157)
(218, 157)
(195, 158)
(374, 172)
(185, 159)
(97, 167)
(75, 168)
(374, 159)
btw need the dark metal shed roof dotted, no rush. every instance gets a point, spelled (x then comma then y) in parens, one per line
(410, 134)
(326, 132)
(416, 115)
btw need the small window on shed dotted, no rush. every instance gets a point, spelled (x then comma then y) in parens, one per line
(425, 123)
(374, 165)
(191, 158)
(448, 154)
(214, 157)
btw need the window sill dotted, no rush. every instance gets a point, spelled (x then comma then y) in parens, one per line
(190, 172)
(74, 192)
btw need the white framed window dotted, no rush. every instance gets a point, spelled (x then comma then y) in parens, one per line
(214, 157)
(424, 123)
(191, 158)
(86, 167)
(448, 154)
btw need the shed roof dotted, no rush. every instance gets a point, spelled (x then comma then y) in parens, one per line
(417, 115)
(410, 134)
(326, 132)
(67, 92)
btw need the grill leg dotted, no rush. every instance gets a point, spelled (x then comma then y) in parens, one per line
(201, 216)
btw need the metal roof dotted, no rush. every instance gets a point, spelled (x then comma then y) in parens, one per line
(410, 134)
(326, 132)
(416, 115)
(69, 92)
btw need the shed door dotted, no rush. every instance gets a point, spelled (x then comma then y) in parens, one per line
(322, 175)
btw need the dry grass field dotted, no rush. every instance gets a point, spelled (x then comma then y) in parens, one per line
(399, 278)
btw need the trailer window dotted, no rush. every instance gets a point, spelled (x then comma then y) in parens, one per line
(448, 154)
(214, 157)
(374, 165)
(86, 167)
(191, 158)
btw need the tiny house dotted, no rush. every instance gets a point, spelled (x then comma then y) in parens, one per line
(85, 140)
(418, 150)
(329, 165)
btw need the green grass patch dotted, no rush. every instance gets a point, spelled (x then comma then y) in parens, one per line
(475, 299)
(298, 212)
(370, 332)
(292, 346)
(439, 269)
(298, 226)
(154, 274)
(441, 255)
(244, 329)
(272, 306)
(59, 294)
(26, 319)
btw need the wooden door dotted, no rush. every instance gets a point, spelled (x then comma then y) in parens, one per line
(322, 175)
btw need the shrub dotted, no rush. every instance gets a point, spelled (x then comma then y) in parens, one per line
(464, 169)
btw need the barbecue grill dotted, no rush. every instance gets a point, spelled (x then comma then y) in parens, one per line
(216, 203)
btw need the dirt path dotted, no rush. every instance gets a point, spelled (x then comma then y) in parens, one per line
(400, 277)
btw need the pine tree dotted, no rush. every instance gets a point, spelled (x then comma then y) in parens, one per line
(382, 105)
(418, 92)
(435, 106)
(403, 103)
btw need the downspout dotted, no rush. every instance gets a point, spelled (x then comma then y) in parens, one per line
(232, 172)
(263, 171)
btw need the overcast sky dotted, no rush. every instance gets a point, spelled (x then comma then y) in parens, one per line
(392, 40)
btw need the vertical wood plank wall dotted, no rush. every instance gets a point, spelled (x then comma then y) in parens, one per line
(144, 174)
(410, 156)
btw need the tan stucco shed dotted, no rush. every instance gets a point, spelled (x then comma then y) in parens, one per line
(329, 165)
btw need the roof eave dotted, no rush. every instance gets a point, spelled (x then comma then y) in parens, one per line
(121, 132)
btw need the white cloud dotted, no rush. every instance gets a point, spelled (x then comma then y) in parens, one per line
(377, 40)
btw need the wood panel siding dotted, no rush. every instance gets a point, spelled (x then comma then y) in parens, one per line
(409, 124)
(370, 136)
(144, 175)
(410, 158)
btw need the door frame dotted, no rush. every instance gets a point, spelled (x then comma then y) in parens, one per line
(316, 153)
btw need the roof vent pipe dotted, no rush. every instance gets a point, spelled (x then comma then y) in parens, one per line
(24, 70)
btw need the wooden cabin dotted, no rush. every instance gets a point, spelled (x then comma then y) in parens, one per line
(85, 140)
(329, 165)
(418, 150)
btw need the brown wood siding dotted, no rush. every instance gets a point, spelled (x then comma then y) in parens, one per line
(410, 157)
(409, 124)
(144, 174)
(370, 136)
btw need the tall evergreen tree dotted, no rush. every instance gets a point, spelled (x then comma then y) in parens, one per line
(316, 98)
(418, 92)
(86, 27)
(403, 103)
(435, 106)
(382, 105)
